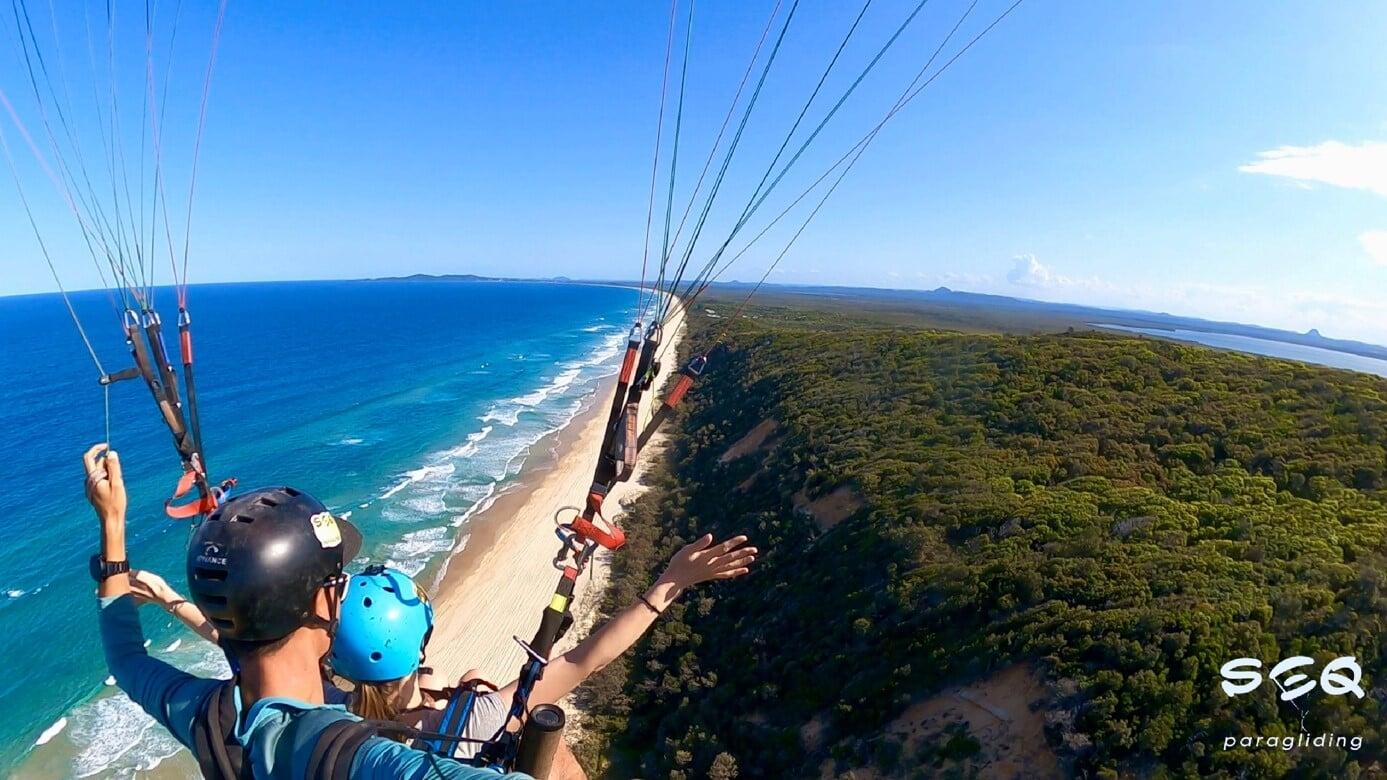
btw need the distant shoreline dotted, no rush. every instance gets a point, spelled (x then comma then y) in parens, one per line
(1075, 315)
(1032, 315)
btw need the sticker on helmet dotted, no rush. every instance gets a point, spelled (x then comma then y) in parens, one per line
(325, 528)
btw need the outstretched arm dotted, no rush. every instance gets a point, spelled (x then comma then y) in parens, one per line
(149, 588)
(105, 489)
(699, 561)
(171, 696)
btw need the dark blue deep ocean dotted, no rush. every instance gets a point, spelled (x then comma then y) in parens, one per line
(406, 403)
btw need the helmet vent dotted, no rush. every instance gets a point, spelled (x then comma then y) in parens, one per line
(218, 575)
(216, 601)
(242, 519)
(292, 493)
(376, 656)
(267, 501)
(366, 601)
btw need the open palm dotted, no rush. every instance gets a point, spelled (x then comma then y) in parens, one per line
(701, 561)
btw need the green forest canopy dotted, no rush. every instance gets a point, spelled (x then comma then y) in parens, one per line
(1127, 514)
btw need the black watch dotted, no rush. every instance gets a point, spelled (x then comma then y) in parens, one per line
(101, 570)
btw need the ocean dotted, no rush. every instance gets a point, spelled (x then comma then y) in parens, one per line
(408, 404)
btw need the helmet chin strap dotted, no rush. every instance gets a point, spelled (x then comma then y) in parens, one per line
(331, 588)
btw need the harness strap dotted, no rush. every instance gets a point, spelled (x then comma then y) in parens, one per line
(336, 749)
(218, 754)
(455, 719)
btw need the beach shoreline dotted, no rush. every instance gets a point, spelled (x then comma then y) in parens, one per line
(498, 579)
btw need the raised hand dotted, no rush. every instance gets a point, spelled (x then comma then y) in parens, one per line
(701, 561)
(149, 588)
(105, 484)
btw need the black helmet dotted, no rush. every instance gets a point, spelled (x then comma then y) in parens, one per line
(256, 564)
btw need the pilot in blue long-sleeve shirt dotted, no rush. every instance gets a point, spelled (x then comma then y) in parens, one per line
(266, 569)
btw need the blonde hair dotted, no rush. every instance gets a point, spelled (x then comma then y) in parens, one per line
(378, 701)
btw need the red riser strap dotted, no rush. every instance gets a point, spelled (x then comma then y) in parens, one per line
(628, 364)
(612, 540)
(680, 389)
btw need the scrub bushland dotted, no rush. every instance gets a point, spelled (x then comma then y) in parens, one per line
(1125, 515)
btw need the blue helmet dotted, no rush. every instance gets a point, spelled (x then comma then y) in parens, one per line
(385, 622)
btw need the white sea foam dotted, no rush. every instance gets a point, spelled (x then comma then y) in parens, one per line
(428, 505)
(419, 475)
(414, 551)
(556, 385)
(508, 417)
(457, 483)
(605, 351)
(114, 737)
(459, 546)
(51, 732)
(177, 643)
(108, 729)
(532, 399)
(351, 441)
(14, 593)
(472, 446)
(110, 680)
(480, 505)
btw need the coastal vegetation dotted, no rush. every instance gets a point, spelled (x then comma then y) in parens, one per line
(1112, 518)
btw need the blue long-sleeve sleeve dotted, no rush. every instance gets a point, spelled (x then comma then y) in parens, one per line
(171, 696)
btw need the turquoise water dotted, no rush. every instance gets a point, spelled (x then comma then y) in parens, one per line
(407, 404)
(1280, 349)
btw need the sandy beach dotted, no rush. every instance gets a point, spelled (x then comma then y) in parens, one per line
(496, 587)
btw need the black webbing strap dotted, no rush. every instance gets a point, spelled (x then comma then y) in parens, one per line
(218, 754)
(336, 748)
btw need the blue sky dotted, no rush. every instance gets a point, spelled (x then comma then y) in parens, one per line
(1221, 159)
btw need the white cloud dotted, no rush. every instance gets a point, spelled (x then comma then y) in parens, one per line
(1356, 167)
(1026, 271)
(1375, 244)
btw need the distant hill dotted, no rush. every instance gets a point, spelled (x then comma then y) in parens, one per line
(995, 312)
(1073, 314)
